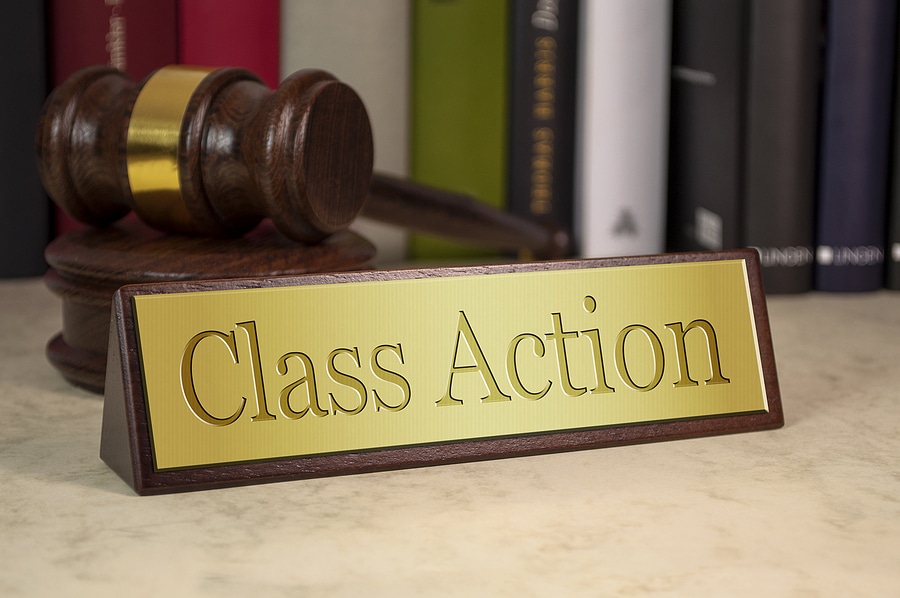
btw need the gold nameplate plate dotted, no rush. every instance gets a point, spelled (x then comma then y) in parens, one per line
(235, 382)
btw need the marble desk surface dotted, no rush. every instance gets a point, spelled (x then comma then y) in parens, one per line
(812, 509)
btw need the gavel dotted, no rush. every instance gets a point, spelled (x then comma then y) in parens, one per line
(214, 151)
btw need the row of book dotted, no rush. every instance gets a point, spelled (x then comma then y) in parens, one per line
(781, 138)
(671, 125)
(641, 126)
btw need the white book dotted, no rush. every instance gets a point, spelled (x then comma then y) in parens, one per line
(622, 127)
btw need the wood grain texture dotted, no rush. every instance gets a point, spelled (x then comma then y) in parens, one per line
(301, 155)
(78, 158)
(129, 454)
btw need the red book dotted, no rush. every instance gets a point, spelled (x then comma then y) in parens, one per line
(139, 36)
(231, 33)
(135, 36)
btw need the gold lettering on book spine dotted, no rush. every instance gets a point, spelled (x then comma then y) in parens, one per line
(543, 109)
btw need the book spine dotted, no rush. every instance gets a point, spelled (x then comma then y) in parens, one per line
(459, 106)
(25, 224)
(543, 70)
(622, 127)
(234, 33)
(892, 274)
(781, 139)
(135, 36)
(855, 140)
(892, 248)
(706, 125)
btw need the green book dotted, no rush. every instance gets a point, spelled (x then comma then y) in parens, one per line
(459, 107)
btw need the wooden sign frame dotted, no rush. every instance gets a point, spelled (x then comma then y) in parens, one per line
(126, 443)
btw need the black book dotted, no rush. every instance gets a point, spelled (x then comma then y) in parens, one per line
(544, 47)
(855, 144)
(744, 107)
(25, 217)
(892, 248)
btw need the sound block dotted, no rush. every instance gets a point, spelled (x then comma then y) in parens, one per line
(89, 265)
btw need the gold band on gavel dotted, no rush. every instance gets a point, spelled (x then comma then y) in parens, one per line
(153, 136)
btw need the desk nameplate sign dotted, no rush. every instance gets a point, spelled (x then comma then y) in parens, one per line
(245, 381)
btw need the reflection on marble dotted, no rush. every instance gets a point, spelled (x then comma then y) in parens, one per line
(811, 509)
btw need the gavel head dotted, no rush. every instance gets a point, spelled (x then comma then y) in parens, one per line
(211, 152)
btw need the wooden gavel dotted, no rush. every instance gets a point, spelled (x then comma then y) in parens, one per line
(214, 151)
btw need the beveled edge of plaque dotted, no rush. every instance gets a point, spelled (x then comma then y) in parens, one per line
(125, 436)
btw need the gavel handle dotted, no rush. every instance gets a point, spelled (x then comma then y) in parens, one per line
(461, 217)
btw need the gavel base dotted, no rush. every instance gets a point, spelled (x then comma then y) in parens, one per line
(88, 266)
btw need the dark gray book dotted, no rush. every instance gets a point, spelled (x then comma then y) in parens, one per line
(744, 108)
(24, 207)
